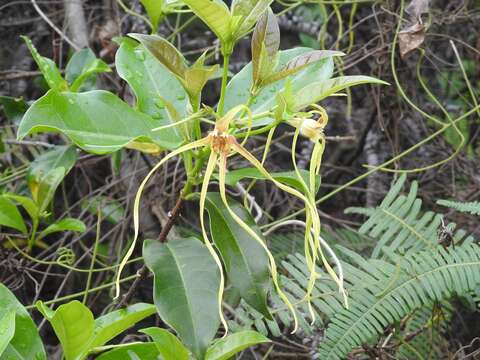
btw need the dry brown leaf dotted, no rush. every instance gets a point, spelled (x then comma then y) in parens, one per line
(412, 36)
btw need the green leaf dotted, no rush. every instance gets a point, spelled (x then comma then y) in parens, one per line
(186, 288)
(97, 121)
(67, 224)
(7, 328)
(300, 62)
(10, 216)
(238, 89)
(215, 14)
(309, 41)
(145, 351)
(47, 67)
(155, 12)
(156, 98)
(192, 79)
(61, 156)
(265, 45)
(196, 78)
(28, 204)
(114, 323)
(224, 349)
(246, 262)
(14, 108)
(319, 90)
(164, 51)
(249, 11)
(110, 209)
(79, 333)
(43, 174)
(286, 177)
(81, 67)
(25, 343)
(48, 186)
(73, 324)
(167, 344)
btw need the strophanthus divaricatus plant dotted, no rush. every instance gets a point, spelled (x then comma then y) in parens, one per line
(221, 143)
(277, 87)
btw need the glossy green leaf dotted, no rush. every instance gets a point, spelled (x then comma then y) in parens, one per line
(238, 89)
(155, 87)
(10, 216)
(27, 203)
(300, 62)
(246, 262)
(114, 323)
(81, 67)
(215, 14)
(73, 324)
(224, 349)
(97, 121)
(145, 351)
(25, 343)
(7, 328)
(14, 108)
(249, 11)
(67, 224)
(167, 344)
(265, 45)
(155, 12)
(40, 172)
(47, 67)
(79, 333)
(193, 79)
(286, 177)
(319, 90)
(164, 51)
(186, 285)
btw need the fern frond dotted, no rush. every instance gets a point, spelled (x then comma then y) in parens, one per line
(283, 244)
(465, 207)
(399, 223)
(349, 238)
(325, 300)
(427, 325)
(392, 290)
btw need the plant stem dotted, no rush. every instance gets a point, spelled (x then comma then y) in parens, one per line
(81, 293)
(94, 256)
(226, 61)
(32, 239)
(172, 216)
(258, 131)
(142, 273)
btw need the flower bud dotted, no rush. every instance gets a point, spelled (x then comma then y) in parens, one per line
(309, 128)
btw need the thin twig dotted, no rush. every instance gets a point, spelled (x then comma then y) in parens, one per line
(143, 272)
(28, 143)
(53, 26)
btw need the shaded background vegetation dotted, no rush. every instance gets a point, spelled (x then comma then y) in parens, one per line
(367, 128)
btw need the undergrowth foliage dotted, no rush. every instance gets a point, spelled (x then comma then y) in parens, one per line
(234, 281)
(386, 293)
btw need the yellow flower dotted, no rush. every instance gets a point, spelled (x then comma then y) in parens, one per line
(310, 128)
